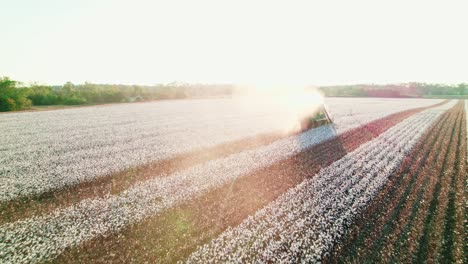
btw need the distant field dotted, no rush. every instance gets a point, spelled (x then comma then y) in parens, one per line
(446, 96)
(214, 180)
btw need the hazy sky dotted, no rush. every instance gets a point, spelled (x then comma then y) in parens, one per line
(267, 42)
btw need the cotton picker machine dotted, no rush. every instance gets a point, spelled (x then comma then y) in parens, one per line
(319, 117)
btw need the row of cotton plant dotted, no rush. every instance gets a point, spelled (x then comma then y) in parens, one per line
(302, 224)
(44, 236)
(351, 116)
(41, 161)
(92, 217)
(45, 151)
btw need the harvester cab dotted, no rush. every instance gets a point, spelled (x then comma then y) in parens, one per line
(319, 117)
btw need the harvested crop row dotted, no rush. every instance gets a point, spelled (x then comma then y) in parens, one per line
(303, 224)
(397, 225)
(171, 235)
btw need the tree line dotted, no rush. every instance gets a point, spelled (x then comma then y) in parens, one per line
(15, 96)
(412, 89)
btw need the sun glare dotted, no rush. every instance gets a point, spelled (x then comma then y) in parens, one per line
(291, 104)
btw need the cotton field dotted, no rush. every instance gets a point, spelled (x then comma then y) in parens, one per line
(310, 217)
(234, 207)
(44, 151)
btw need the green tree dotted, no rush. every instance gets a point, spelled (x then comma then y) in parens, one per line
(462, 88)
(68, 88)
(11, 97)
(43, 95)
